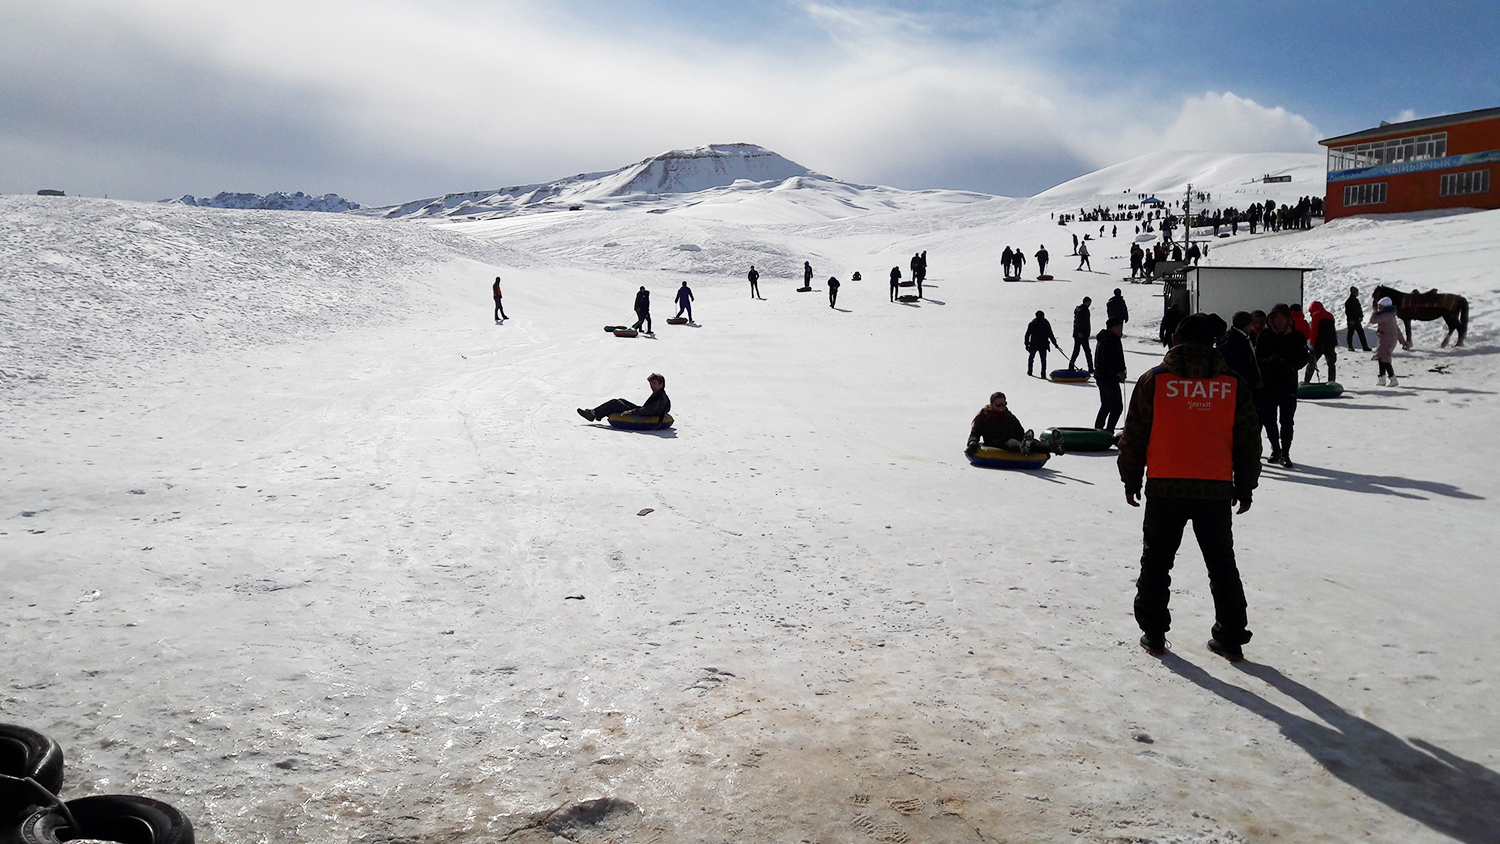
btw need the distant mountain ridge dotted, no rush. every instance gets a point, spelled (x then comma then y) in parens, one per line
(278, 201)
(682, 171)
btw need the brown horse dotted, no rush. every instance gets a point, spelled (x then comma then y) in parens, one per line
(1449, 307)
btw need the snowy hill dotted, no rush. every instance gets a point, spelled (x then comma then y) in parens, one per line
(299, 540)
(278, 201)
(1230, 177)
(714, 177)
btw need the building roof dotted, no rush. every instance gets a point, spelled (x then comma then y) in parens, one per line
(1389, 129)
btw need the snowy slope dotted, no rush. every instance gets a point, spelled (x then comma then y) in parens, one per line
(362, 574)
(1232, 178)
(278, 201)
(717, 181)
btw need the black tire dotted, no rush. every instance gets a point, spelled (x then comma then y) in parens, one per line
(109, 817)
(28, 753)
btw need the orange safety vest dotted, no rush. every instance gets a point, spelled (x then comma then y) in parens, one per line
(1192, 431)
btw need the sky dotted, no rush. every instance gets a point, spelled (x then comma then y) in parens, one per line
(385, 101)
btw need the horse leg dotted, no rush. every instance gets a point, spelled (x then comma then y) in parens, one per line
(1406, 341)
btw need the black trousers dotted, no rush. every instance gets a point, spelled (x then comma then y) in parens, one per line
(833, 297)
(613, 406)
(645, 319)
(1032, 356)
(1111, 404)
(499, 309)
(1166, 518)
(1083, 344)
(1349, 337)
(1277, 413)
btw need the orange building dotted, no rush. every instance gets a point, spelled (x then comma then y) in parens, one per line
(1418, 165)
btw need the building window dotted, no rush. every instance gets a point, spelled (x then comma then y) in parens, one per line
(1394, 151)
(1372, 193)
(1472, 181)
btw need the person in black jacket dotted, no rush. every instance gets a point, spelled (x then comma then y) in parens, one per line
(754, 277)
(1005, 260)
(1238, 350)
(833, 292)
(1169, 321)
(895, 282)
(1109, 374)
(1081, 331)
(807, 275)
(1116, 308)
(996, 427)
(685, 301)
(1281, 351)
(1041, 259)
(657, 404)
(643, 309)
(1354, 312)
(1038, 337)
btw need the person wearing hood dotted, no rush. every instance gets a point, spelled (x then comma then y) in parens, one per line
(1038, 337)
(1281, 351)
(996, 427)
(1193, 437)
(1325, 342)
(1109, 374)
(1387, 334)
(1299, 322)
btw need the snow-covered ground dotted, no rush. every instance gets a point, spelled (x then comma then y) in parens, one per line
(335, 560)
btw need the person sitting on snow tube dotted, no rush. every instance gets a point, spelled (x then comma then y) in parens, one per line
(996, 427)
(658, 405)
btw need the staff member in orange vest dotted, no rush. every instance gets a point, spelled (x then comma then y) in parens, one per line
(1193, 433)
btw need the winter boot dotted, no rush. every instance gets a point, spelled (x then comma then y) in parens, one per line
(1154, 643)
(1393, 382)
(1380, 382)
(1286, 458)
(586, 413)
(1233, 653)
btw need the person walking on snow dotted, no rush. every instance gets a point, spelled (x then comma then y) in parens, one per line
(1109, 357)
(1041, 259)
(806, 275)
(685, 301)
(657, 405)
(1192, 434)
(1018, 261)
(1083, 257)
(1116, 308)
(754, 283)
(833, 291)
(1354, 315)
(1281, 351)
(895, 281)
(1325, 342)
(1387, 334)
(1038, 337)
(1081, 331)
(1005, 261)
(499, 307)
(643, 310)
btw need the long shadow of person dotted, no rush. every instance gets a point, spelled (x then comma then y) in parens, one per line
(1449, 794)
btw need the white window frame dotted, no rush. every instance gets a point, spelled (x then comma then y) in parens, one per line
(1465, 183)
(1369, 193)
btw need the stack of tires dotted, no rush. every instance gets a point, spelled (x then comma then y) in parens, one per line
(31, 774)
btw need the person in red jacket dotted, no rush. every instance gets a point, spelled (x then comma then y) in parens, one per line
(1193, 435)
(1323, 336)
(1299, 322)
(499, 308)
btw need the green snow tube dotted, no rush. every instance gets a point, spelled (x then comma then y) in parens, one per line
(1080, 439)
(1331, 390)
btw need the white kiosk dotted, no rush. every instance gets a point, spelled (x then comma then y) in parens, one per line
(1224, 290)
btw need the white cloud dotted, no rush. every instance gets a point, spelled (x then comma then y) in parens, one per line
(459, 95)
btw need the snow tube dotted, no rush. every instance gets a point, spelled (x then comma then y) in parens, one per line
(907, 299)
(626, 332)
(906, 284)
(613, 328)
(27, 753)
(1000, 458)
(1080, 439)
(1044, 278)
(1330, 390)
(630, 422)
(677, 321)
(108, 817)
(1070, 376)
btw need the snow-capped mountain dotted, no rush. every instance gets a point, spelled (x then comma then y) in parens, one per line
(716, 179)
(278, 201)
